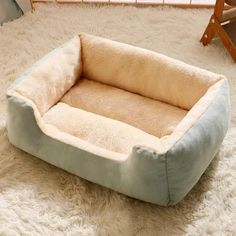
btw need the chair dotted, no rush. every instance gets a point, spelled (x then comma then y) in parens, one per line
(223, 24)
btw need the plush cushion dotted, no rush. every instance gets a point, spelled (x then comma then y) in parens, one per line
(126, 118)
(144, 72)
(106, 133)
(152, 116)
(48, 83)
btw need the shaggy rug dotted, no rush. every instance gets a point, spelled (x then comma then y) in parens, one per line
(39, 199)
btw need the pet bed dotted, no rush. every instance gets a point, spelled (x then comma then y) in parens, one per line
(127, 118)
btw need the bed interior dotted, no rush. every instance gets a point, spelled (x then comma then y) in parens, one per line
(151, 116)
(113, 118)
(112, 95)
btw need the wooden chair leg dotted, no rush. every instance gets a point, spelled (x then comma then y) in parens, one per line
(229, 44)
(217, 25)
(209, 33)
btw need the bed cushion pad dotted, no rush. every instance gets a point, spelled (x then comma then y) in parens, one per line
(152, 116)
(107, 133)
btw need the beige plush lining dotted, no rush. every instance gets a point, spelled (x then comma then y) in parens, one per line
(111, 134)
(107, 133)
(193, 115)
(47, 83)
(154, 117)
(144, 72)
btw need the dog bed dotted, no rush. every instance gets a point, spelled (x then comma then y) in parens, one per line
(129, 119)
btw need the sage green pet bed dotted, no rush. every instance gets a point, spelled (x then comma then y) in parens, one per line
(124, 117)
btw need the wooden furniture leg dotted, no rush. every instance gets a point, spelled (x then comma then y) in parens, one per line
(209, 32)
(222, 24)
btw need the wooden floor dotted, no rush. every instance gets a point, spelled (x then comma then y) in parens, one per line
(172, 2)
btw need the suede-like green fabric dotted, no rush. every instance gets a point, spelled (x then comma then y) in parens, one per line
(189, 157)
(163, 179)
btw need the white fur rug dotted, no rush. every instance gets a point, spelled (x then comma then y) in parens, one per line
(39, 199)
